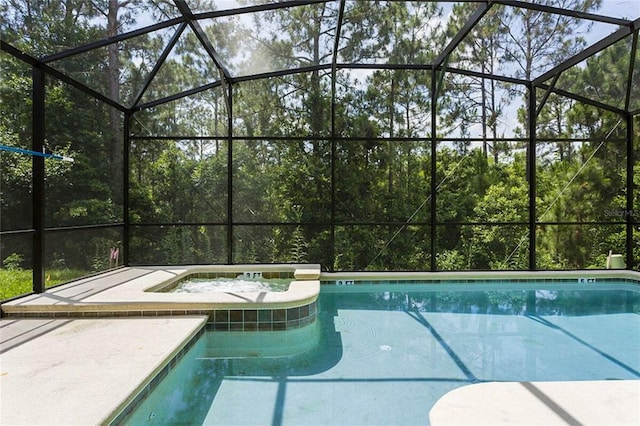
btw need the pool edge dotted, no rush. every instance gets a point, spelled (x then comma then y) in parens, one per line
(151, 380)
(548, 403)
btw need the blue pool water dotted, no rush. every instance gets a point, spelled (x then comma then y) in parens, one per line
(383, 355)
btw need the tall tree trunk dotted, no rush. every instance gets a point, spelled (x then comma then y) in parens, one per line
(494, 118)
(392, 101)
(483, 92)
(316, 107)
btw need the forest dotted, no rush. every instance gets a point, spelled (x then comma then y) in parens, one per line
(301, 156)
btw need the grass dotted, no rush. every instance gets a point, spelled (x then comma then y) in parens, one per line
(14, 282)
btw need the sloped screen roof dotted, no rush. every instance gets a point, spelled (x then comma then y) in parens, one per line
(219, 42)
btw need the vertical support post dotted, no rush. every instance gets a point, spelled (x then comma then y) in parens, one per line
(332, 232)
(630, 210)
(531, 163)
(38, 173)
(632, 213)
(432, 205)
(230, 174)
(126, 146)
(334, 72)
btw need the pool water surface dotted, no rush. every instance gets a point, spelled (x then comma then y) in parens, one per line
(233, 285)
(384, 354)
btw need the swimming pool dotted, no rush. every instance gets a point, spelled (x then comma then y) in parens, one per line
(384, 353)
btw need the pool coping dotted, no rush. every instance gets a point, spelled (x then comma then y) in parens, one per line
(124, 411)
(75, 371)
(595, 402)
(125, 292)
(586, 275)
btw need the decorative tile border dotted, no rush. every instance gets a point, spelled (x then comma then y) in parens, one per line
(252, 319)
(263, 319)
(591, 280)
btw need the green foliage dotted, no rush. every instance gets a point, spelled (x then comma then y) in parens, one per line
(13, 262)
(16, 282)
(450, 260)
(299, 244)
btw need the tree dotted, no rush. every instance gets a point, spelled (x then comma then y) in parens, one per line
(540, 40)
(478, 100)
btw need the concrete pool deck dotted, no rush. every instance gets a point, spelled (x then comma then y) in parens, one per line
(606, 402)
(83, 370)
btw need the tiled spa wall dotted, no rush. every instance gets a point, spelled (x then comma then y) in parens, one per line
(263, 319)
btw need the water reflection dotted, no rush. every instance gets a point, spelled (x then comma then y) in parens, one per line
(520, 302)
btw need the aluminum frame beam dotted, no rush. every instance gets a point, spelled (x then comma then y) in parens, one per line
(334, 71)
(462, 33)
(34, 62)
(589, 51)
(202, 37)
(177, 96)
(632, 62)
(165, 53)
(110, 40)
(38, 137)
(582, 99)
(257, 8)
(565, 12)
